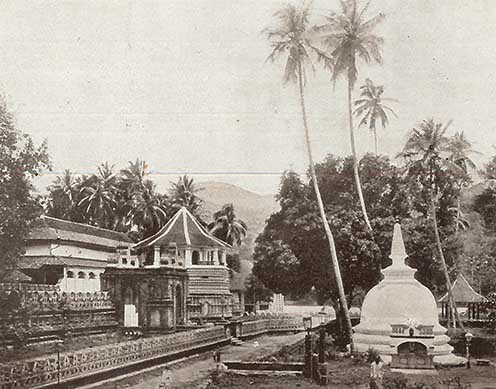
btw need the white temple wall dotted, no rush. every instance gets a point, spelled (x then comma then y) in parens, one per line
(38, 249)
(67, 250)
(79, 279)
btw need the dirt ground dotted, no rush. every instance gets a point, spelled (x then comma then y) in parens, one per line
(193, 373)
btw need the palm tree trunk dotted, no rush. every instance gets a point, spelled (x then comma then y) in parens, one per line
(457, 214)
(375, 141)
(355, 161)
(330, 237)
(451, 301)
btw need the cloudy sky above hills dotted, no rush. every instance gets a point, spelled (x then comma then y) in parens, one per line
(184, 84)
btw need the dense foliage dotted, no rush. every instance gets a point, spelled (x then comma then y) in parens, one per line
(20, 161)
(291, 255)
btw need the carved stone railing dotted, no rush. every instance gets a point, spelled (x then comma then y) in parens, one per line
(42, 371)
(42, 313)
(25, 287)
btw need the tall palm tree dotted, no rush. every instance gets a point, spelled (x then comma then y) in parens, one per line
(459, 149)
(62, 197)
(370, 108)
(292, 39)
(147, 210)
(227, 226)
(183, 193)
(134, 176)
(348, 36)
(98, 197)
(423, 154)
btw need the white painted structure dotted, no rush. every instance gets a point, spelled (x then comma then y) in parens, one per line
(400, 310)
(73, 255)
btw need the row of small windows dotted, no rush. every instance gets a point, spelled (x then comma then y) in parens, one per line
(81, 275)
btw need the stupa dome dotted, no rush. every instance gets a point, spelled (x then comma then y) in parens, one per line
(401, 311)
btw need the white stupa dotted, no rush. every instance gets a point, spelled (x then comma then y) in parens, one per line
(399, 318)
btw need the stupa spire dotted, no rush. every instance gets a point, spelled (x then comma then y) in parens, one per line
(398, 252)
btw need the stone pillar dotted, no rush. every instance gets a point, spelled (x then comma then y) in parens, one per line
(187, 258)
(216, 256)
(224, 258)
(156, 255)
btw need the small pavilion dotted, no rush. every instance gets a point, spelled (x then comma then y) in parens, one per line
(183, 243)
(465, 297)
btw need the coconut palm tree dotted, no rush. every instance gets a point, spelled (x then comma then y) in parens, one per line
(98, 197)
(147, 210)
(292, 38)
(134, 176)
(183, 193)
(424, 157)
(459, 149)
(348, 37)
(63, 196)
(227, 226)
(370, 108)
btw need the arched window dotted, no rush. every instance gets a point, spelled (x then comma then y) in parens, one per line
(91, 276)
(81, 275)
(195, 258)
(70, 274)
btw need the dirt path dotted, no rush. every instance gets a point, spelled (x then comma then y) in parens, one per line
(193, 372)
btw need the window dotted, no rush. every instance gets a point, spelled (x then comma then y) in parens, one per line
(133, 262)
(124, 260)
(70, 274)
(91, 276)
(81, 275)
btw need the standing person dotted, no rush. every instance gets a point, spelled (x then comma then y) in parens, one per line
(376, 373)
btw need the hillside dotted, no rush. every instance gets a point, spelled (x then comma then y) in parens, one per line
(250, 207)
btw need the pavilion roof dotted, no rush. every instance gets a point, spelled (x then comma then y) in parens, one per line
(53, 229)
(183, 230)
(463, 292)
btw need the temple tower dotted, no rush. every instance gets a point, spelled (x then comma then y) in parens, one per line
(184, 243)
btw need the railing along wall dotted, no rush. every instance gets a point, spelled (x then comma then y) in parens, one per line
(38, 313)
(44, 371)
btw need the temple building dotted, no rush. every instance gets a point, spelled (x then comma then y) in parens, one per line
(399, 318)
(73, 256)
(183, 243)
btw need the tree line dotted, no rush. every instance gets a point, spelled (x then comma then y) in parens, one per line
(340, 42)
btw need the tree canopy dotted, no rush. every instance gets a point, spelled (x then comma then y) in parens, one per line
(20, 161)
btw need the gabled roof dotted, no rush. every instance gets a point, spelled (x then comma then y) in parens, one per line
(50, 228)
(183, 230)
(463, 292)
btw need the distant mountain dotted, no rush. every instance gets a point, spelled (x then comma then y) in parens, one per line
(250, 207)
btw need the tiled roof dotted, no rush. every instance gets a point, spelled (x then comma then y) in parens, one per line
(35, 262)
(463, 292)
(49, 228)
(183, 230)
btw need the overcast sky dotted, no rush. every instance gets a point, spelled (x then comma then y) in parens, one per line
(184, 84)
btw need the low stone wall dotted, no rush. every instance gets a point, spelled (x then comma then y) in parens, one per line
(41, 372)
(34, 314)
(269, 324)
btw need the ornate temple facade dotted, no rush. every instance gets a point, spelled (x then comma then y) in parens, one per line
(183, 243)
